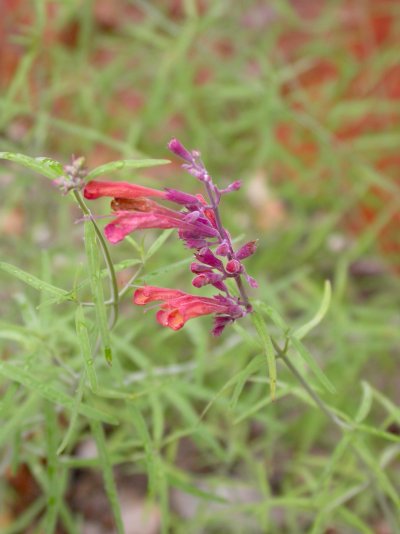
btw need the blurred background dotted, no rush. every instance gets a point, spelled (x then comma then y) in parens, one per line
(301, 101)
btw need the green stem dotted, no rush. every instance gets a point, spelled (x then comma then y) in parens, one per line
(107, 258)
(315, 397)
(344, 427)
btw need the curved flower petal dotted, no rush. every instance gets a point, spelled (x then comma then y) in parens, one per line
(96, 189)
(146, 294)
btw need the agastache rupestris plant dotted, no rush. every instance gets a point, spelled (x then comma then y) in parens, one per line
(200, 227)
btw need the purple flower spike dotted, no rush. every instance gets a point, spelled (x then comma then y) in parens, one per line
(200, 227)
(247, 250)
(179, 150)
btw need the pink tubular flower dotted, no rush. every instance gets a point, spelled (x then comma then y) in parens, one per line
(95, 189)
(134, 211)
(178, 307)
(141, 213)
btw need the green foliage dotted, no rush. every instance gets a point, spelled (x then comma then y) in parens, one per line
(222, 426)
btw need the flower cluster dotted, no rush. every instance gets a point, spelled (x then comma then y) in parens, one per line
(199, 226)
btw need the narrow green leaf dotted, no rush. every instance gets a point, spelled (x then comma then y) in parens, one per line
(376, 432)
(92, 254)
(189, 414)
(150, 453)
(366, 403)
(84, 344)
(312, 323)
(104, 273)
(24, 521)
(354, 521)
(74, 415)
(241, 378)
(109, 482)
(261, 328)
(35, 282)
(114, 166)
(391, 408)
(46, 166)
(273, 314)
(55, 473)
(261, 404)
(158, 243)
(52, 392)
(381, 477)
(179, 481)
(314, 367)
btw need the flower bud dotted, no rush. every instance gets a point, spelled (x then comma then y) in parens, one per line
(247, 250)
(222, 249)
(234, 186)
(234, 267)
(179, 150)
(205, 255)
(197, 268)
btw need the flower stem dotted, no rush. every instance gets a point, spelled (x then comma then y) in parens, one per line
(225, 236)
(107, 258)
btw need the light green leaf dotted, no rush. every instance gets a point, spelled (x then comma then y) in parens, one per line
(273, 314)
(158, 243)
(93, 259)
(312, 323)
(366, 403)
(261, 328)
(108, 475)
(52, 392)
(241, 378)
(46, 166)
(319, 374)
(114, 166)
(35, 282)
(82, 333)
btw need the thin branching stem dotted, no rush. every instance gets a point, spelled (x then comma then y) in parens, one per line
(107, 258)
(344, 427)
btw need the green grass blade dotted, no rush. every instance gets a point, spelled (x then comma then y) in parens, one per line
(314, 367)
(46, 166)
(53, 393)
(323, 308)
(114, 166)
(265, 339)
(55, 473)
(366, 403)
(35, 282)
(109, 482)
(158, 243)
(93, 259)
(84, 344)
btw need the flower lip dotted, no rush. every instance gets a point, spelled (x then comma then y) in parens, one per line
(132, 204)
(178, 307)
